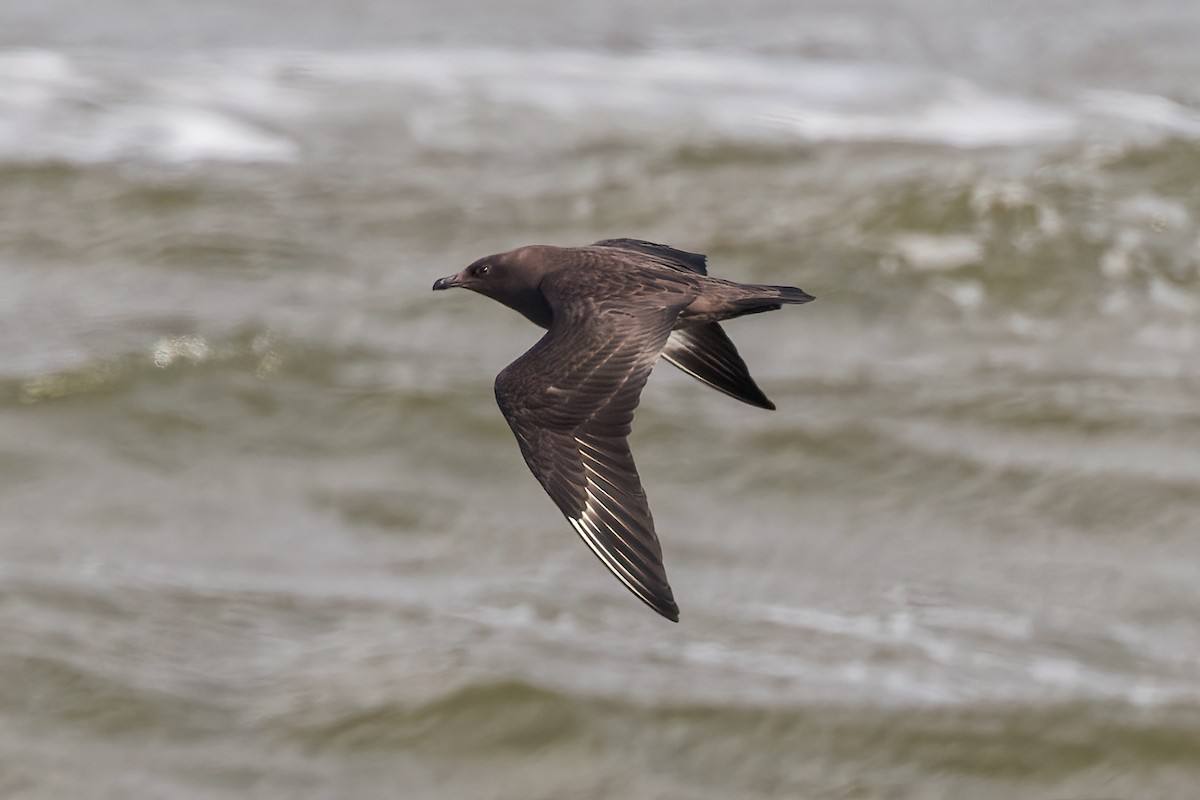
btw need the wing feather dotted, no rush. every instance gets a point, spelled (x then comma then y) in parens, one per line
(707, 354)
(695, 262)
(570, 403)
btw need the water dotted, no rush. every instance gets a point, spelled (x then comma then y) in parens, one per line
(265, 534)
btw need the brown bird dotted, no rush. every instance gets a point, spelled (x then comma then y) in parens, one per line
(611, 309)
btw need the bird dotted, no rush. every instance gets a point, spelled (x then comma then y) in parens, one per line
(610, 310)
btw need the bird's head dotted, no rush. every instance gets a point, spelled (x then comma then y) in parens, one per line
(512, 278)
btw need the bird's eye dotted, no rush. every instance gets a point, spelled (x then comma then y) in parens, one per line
(483, 269)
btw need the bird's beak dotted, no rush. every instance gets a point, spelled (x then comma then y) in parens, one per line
(447, 283)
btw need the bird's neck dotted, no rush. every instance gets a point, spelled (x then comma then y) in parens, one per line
(533, 306)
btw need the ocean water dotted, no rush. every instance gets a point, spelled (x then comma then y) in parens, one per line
(264, 534)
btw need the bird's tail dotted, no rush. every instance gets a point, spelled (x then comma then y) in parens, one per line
(790, 294)
(726, 299)
(758, 298)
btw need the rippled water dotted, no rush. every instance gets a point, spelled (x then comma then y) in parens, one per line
(265, 533)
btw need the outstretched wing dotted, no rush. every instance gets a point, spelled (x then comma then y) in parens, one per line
(570, 402)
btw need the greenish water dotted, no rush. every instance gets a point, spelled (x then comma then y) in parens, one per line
(264, 533)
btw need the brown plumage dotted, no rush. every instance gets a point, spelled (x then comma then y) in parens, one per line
(611, 309)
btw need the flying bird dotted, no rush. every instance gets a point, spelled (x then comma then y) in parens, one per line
(610, 310)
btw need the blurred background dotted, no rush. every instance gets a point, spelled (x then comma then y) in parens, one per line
(263, 532)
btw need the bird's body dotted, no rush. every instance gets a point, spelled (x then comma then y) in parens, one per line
(611, 309)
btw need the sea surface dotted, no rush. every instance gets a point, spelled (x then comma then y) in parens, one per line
(264, 534)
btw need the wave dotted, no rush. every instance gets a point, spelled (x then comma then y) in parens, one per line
(76, 109)
(744, 749)
(255, 106)
(254, 352)
(461, 738)
(96, 697)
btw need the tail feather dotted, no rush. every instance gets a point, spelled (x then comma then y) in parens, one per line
(790, 294)
(760, 298)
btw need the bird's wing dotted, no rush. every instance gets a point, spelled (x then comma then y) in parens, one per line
(702, 351)
(695, 262)
(570, 402)
(707, 354)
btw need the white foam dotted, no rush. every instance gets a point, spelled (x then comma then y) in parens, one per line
(1148, 110)
(731, 92)
(750, 95)
(55, 109)
(178, 133)
(257, 106)
(968, 653)
(924, 252)
(955, 114)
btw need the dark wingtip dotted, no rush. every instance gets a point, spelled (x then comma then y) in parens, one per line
(748, 392)
(751, 395)
(663, 604)
(707, 354)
